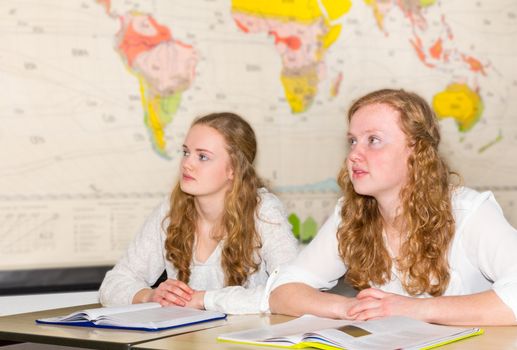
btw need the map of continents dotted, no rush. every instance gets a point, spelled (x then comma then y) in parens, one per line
(435, 48)
(163, 65)
(303, 31)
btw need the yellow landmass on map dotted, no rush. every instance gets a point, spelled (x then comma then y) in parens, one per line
(300, 89)
(336, 9)
(294, 10)
(301, 85)
(425, 3)
(461, 103)
(158, 112)
(331, 36)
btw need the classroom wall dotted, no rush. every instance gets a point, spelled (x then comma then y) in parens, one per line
(10, 305)
(98, 96)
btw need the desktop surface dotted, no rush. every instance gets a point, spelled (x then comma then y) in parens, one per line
(23, 328)
(493, 338)
(207, 339)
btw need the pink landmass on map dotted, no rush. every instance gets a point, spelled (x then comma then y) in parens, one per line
(167, 64)
(296, 42)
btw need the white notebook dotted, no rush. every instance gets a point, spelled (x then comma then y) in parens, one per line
(388, 333)
(146, 316)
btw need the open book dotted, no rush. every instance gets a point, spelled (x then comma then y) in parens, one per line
(146, 316)
(394, 332)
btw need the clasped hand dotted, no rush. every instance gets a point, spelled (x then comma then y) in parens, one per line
(373, 303)
(174, 292)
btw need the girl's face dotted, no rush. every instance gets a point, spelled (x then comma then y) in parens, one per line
(205, 170)
(377, 159)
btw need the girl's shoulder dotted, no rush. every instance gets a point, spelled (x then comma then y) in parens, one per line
(466, 199)
(270, 208)
(163, 207)
(159, 213)
(268, 200)
(466, 202)
(273, 224)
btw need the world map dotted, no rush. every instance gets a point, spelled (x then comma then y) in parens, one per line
(164, 67)
(302, 32)
(99, 96)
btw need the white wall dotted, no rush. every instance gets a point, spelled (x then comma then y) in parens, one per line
(35, 302)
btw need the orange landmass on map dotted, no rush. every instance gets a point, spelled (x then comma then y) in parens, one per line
(241, 25)
(419, 49)
(474, 64)
(293, 42)
(134, 43)
(437, 49)
(106, 4)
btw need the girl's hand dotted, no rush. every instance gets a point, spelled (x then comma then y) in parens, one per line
(198, 300)
(374, 303)
(172, 292)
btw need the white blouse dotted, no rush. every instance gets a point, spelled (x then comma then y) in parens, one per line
(145, 261)
(483, 254)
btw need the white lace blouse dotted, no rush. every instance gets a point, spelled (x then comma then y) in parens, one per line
(482, 255)
(145, 260)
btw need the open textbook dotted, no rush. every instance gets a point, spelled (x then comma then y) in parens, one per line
(394, 332)
(146, 316)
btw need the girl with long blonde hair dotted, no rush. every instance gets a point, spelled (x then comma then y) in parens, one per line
(408, 237)
(218, 237)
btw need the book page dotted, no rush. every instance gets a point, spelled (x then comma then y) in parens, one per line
(388, 333)
(160, 317)
(94, 314)
(291, 331)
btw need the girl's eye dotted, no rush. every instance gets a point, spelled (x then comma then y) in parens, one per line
(185, 153)
(352, 141)
(373, 140)
(203, 157)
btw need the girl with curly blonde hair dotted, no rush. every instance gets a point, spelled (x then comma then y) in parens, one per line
(218, 237)
(405, 234)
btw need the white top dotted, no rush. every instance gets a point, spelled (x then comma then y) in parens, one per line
(145, 261)
(483, 253)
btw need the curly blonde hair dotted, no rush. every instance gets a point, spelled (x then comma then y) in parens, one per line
(237, 225)
(426, 210)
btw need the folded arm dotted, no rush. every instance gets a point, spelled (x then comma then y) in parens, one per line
(484, 308)
(296, 299)
(488, 242)
(296, 289)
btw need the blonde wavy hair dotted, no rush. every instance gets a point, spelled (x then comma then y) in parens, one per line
(426, 210)
(237, 225)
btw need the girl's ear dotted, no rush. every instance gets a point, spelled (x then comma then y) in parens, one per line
(230, 172)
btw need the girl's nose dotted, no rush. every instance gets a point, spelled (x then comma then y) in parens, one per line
(186, 163)
(355, 154)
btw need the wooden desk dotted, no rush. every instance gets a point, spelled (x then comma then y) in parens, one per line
(23, 328)
(495, 338)
(206, 339)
